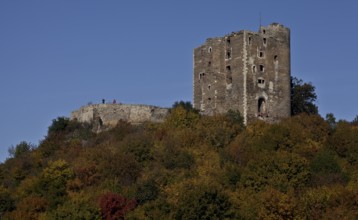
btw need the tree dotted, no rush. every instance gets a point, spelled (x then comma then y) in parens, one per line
(186, 105)
(59, 124)
(331, 120)
(114, 206)
(355, 121)
(20, 149)
(204, 203)
(6, 201)
(53, 181)
(281, 170)
(303, 96)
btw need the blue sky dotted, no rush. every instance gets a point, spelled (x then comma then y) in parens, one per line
(56, 56)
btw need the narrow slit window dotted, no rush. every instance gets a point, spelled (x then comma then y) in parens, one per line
(209, 63)
(250, 40)
(261, 54)
(275, 57)
(265, 41)
(262, 68)
(228, 40)
(228, 68)
(210, 49)
(254, 69)
(201, 75)
(228, 54)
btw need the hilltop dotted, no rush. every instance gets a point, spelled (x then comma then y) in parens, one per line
(188, 167)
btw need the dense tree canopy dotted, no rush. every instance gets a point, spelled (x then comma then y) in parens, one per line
(188, 167)
(303, 96)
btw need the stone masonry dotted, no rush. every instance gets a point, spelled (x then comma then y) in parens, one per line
(108, 115)
(245, 71)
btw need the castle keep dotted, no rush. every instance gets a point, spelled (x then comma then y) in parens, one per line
(245, 71)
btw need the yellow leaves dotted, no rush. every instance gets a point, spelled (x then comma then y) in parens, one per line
(57, 170)
(181, 118)
(276, 205)
(281, 170)
(353, 182)
(208, 165)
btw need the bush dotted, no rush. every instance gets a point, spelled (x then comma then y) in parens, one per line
(114, 206)
(21, 148)
(147, 191)
(203, 203)
(59, 124)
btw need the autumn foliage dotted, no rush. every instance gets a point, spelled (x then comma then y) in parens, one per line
(188, 167)
(114, 206)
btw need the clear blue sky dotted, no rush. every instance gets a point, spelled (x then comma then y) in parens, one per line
(56, 56)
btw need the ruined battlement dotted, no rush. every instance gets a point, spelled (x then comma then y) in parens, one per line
(108, 115)
(246, 71)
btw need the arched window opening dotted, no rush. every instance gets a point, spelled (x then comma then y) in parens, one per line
(262, 107)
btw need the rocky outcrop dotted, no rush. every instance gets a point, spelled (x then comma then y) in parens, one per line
(107, 115)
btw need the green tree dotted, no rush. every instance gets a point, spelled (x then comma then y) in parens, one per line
(147, 191)
(303, 96)
(59, 124)
(7, 203)
(75, 208)
(345, 141)
(280, 170)
(53, 181)
(184, 104)
(331, 120)
(179, 117)
(355, 120)
(203, 203)
(20, 149)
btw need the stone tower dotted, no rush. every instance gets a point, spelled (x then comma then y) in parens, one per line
(245, 71)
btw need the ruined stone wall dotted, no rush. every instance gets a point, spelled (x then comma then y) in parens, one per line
(245, 71)
(108, 115)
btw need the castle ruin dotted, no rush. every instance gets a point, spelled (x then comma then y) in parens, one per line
(107, 115)
(245, 71)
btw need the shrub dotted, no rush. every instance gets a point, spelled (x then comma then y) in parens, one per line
(114, 206)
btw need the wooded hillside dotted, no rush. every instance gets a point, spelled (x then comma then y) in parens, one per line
(189, 167)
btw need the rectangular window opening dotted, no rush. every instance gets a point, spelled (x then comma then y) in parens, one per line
(228, 54)
(262, 68)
